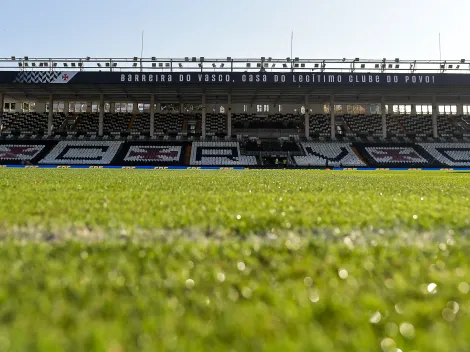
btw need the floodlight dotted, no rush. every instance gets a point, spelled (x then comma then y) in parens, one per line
(229, 58)
(363, 65)
(73, 64)
(397, 66)
(451, 66)
(55, 64)
(41, 64)
(200, 65)
(397, 60)
(193, 59)
(25, 64)
(13, 58)
(180, 65)
(296, 65)
(288, 59)
(65, 64)
(213, 65)
(222, 65)
(87, 58)
(79, 64)
(201, 59)
(248, 65)
(296, 59)
(344, 59)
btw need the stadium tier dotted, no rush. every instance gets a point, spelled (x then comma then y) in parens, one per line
(233, 112)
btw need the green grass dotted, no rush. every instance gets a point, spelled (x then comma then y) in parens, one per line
(108, 260)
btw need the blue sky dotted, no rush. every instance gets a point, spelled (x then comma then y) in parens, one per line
(370, 29)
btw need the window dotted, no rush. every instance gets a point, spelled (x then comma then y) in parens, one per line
(402, 109)
(222, 110)
(266, 108)
(466, 109)
(447, 109)
(245, 108)
(280, 108)
(6, 106)
(423, 109)
(302, 110)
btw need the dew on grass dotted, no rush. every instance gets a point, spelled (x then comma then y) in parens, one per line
(308, 281)
(247, 292)
(189, 283)
(343, 274)
(448, 314)
(388, 345)
(375, 318)
(241, 266)
(415, 217)
(239, 217)
(464, 287)
(407, 330)
(314, 296)
(221, 277)
(432, 288)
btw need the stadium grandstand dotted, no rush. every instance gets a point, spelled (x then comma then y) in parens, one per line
(263, 112)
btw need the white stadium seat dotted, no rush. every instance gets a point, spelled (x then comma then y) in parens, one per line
(317, 154)
(450, 154)
(83, 153)
(219, 154)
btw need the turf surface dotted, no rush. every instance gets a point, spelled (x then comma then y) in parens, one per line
(108, 260)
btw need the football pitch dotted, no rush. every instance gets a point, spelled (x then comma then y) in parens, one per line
(253, 260)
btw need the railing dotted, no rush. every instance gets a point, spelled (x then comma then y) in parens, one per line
(267, 64)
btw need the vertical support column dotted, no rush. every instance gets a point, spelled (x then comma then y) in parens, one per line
(384, 118)
(307, 118)
(50, 116)
(159, 108)
(2, 106)
(66, 107)
(390, 109)
(413, 109)
(434, 117)
(101, 116)
(89, 106)
(203, 127)
(459, 109)
(229, 116)
(181, 108)
(332, 117)
(112, 108)
(152, 116)
(135, 108)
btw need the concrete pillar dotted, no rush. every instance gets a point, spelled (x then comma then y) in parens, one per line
(384, 118)
(101, 116)
(203, 127)
(66, 107)
(307, 118)
(159, 108)
(332, 117)
(390, 109)
(2, 107)
(434, 117)
(152, 115)
(50, 116)
(181, 108)
(89, 106)
(459, 109)
(413, 109)
(112, 108)
(229, 116)
(135, 108)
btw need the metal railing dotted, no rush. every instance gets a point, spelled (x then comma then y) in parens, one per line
(264, 64)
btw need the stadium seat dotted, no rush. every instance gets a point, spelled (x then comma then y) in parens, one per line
(83, 152)
(219, 154)
(336, 154)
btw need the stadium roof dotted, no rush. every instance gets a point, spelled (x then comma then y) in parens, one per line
(267, 80)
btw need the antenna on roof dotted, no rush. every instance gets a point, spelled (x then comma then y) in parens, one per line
(440, 51)
(142, 50)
